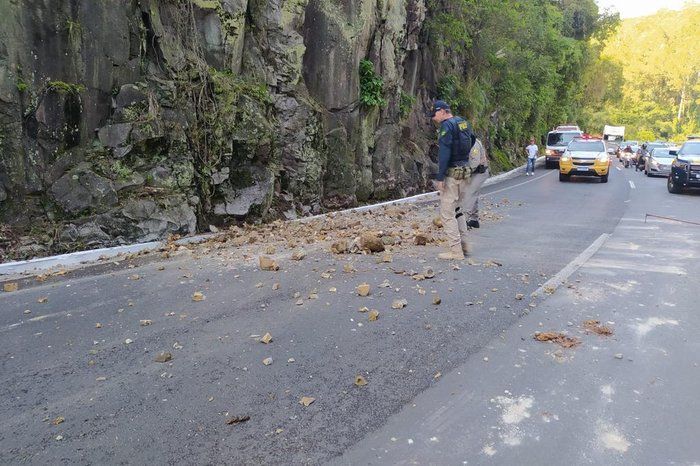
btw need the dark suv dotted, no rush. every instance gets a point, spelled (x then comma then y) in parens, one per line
(685, 169)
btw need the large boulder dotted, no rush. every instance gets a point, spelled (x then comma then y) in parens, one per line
(82, 189)
(153, 220)
(242, 202)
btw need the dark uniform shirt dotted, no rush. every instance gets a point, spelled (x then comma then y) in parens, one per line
(455, 141)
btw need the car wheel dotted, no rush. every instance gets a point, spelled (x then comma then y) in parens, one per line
(604, 178)
(563, 177)
(672, 187)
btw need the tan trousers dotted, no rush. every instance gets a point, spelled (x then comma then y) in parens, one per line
(471, 208)
(452, 197)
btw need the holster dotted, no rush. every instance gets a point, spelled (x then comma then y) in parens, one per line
(459, 173)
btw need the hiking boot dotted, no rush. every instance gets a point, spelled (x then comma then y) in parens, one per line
(473, 223)
(454, 254)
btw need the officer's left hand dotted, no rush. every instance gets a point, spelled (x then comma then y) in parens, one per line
(440, 186)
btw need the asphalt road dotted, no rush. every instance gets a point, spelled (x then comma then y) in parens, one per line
(463, 380)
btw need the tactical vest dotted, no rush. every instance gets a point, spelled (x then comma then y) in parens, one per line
(462, 141)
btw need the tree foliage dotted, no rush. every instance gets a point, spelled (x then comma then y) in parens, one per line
(515, 68)
(648, 76)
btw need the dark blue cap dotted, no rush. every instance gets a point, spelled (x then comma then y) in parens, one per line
(439, 105)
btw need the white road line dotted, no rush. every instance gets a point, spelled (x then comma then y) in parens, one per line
(553, 283)
(632, 184)
(519, 184)
(619, 169)
(33, 319)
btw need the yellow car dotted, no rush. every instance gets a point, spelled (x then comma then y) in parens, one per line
(585, 157)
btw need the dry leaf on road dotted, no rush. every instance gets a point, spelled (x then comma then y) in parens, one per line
(595, 327)
(58, 420)
(373, 315)
(267, 338)
(558, 338)
(360, 381)
(198, 296)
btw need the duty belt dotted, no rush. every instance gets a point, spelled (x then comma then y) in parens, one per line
(459, 173)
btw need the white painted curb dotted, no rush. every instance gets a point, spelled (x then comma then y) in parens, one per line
(75, 259)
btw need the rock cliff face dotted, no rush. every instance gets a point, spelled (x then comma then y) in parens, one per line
(129, 120)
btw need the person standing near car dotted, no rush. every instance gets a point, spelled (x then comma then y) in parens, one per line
(532, 152)
(455, 140)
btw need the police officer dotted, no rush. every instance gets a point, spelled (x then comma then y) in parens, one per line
(455, 138)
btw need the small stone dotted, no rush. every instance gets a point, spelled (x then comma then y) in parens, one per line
(268, 264)
(373, 315)
(198, 296)
(360, 381)
(267, 338)
(341, 247)
(59, 437)
(399, 304)
(100, 379)
(145, 322)
(519, 296)
(618, 356)
(370, 242)
(298, 255)
(420, 239)
(307, 400)
(267, 361)
(291, 360)
(128, 341)
(436, 300)
(164, 356)
(275, 286)
(27, 311)
(363, 289)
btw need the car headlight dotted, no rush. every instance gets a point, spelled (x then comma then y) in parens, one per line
(680, 164)
(549, 152)
(565, 157)
(603, 157)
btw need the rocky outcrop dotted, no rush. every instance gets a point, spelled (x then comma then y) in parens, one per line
(128, 120)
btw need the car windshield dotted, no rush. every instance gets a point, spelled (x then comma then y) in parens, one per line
(662, 154)
(654, 145)
(690, 148)
(587, 146)
(561, 139)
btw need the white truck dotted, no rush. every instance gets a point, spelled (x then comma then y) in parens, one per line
(613, 136)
